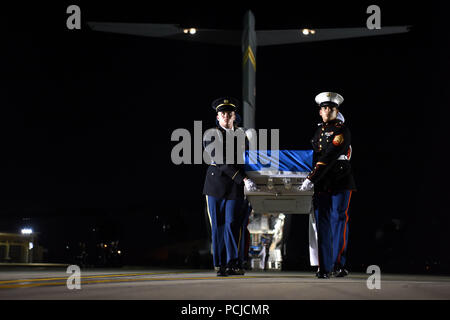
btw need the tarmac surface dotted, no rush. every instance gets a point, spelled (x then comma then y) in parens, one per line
(167, 284)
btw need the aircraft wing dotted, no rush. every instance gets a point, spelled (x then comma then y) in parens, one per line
(169, 31)
(277, 37)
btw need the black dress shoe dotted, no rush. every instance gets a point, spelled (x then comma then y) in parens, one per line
(340, 273)
(322, 275)
(241, 271)
(222, 272)
(234, 271)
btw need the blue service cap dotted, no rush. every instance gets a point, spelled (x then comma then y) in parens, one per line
(225, 104)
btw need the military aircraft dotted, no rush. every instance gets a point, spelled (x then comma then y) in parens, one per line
(249, 39)
(287, 201)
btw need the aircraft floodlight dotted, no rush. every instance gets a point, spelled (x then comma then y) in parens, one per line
(185, 30)
(312, 31)
(192, 31)
(27, 231)
(305, 32)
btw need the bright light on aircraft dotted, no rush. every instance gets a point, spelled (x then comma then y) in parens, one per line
(308, 31)
(27, 231)
(190, 30)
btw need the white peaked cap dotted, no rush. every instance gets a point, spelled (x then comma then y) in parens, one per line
(333, 97)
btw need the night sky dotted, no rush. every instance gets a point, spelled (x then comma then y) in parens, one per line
(87, 117)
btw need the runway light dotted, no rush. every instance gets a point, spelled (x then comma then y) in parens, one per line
(119, 252)
(27, 231)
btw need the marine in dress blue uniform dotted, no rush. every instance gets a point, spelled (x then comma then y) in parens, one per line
(224, 190)
(333, 183)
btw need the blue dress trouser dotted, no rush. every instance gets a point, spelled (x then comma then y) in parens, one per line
(247, 209)
(226, 225)
(331, 213)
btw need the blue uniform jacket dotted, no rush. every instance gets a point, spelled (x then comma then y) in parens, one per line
(226, 180)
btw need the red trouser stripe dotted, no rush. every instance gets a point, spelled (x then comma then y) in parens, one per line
(345, 228)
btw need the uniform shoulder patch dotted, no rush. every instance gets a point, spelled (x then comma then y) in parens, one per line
(338, 139)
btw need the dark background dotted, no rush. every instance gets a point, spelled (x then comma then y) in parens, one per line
(86, 121)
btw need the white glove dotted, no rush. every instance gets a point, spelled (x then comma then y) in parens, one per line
(306, 186)
(250, 185)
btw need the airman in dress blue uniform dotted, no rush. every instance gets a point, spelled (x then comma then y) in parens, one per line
(333, 183)
(224, 190)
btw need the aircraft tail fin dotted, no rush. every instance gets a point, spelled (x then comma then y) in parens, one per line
(249, 46)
